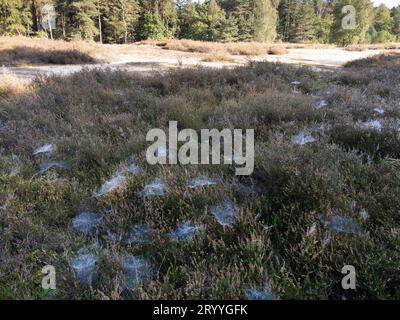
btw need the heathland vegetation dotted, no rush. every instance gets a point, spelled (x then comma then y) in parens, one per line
(324, 192)
(123, 21)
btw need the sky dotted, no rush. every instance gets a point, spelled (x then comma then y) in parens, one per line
(388, 3)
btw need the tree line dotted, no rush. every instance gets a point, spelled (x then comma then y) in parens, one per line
(124, 21)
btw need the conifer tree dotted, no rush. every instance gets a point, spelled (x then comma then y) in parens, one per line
(158, 18)
(324, 20)
(169, 16)
(382, 19)
(289, 11)
(120, 20)
(305, 27)
(381, 30)
(152, 27)
(229, 29)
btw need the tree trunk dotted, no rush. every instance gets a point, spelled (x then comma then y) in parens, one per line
(100, 32)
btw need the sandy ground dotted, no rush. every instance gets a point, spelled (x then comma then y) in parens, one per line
(149, 58)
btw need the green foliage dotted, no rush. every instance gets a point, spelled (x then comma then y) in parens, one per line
(82, 22)
(187, 17)
(215, 18)
(205, 21)
(381, 31)
(324, 20)
(383, 37)
(265, 19)
(382, 19)
(395, 14)
(120, 20)
(169, 16)
(305, 21)
(42, 34)
(229, 30)
(288, 19)
(279, 238)
(158, 13)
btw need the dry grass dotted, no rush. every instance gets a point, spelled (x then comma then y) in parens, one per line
(17, 51)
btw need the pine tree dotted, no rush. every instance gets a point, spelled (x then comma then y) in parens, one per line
(162, 14)
(229, 30)
(265, 20)
(121, 21)
(101, 7)
(380, 32)
(187, 14)
(191, 21)
(169, 15)
(156, 11)
(62, 8)
(288, 19)
(255, 20)
(395, 14)
(324, 20)
(35, 10)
